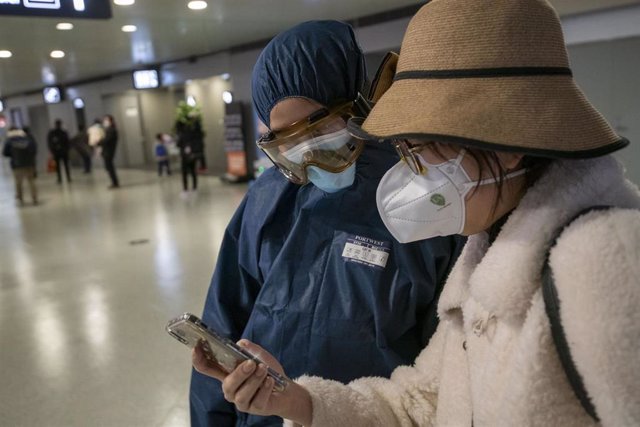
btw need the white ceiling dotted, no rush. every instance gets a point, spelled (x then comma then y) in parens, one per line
(168, 30)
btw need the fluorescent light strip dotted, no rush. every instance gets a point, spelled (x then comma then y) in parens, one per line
(197, 5)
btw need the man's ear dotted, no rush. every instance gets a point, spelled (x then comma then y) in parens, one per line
(384, 77)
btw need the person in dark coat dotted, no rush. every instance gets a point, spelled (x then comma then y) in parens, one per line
(307, 268)
(22, 150)
(109, 145)
(190, 142)
(80, 143)
(27, 130)
(58, 142)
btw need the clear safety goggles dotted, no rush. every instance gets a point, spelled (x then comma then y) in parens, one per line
(320, 140)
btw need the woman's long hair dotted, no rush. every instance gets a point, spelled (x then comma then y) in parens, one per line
(111, 120)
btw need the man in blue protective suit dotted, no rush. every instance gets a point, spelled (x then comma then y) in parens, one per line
(307, 269)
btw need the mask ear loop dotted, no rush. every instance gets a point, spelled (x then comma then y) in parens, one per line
(469, 185)
(457, 165)
(461, 155)
(506, 177)
(485, 181)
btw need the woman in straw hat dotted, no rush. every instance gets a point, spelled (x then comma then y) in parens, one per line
(499, 144)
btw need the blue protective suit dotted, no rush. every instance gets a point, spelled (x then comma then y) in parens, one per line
(290, 279)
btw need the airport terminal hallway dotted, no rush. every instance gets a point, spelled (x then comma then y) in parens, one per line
(88, 280)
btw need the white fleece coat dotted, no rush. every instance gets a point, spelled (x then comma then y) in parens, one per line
(492, 361)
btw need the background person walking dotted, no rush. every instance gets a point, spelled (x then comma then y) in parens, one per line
(80, 143)
(58, 142)
(161, 154)
(22, 150)
(109, 145)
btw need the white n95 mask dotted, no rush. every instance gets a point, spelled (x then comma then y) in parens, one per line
(417, 207)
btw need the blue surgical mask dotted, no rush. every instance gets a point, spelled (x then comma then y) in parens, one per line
(331, 182)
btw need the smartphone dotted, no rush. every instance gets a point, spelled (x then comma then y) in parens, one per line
(190, 330)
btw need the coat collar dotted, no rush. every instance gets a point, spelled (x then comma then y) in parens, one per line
(503, 278)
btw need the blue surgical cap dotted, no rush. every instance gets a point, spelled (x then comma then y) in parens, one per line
(319, 60)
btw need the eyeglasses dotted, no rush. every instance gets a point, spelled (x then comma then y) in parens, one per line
(409, 153)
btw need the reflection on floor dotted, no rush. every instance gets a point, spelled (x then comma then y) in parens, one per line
(88, 280)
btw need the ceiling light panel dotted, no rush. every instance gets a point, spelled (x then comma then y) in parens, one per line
(64, 26)
(57, 54)
(197, 5)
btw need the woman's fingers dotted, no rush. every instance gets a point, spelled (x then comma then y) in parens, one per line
(254, 395)
(247, 391)
(261, 400)
(248, 386)
(204, 365)
(261, 354)
(235, 379)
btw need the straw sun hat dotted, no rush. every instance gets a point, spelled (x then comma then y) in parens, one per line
(491, 74)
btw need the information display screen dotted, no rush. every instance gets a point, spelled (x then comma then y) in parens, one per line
(146, 79)
(88, 9)
(52, 95)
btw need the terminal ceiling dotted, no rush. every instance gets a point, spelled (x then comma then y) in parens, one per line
(168, 30)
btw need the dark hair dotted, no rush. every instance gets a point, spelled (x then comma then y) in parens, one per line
(58, 123)
(159, 136)
(112, 120)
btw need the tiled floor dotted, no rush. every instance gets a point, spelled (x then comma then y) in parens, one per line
(83, 310)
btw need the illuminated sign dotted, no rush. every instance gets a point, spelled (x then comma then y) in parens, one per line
(90, 9)
(52, 95)
(146, 79)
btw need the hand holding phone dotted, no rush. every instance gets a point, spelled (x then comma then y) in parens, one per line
(252, 391)
(190, 330)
